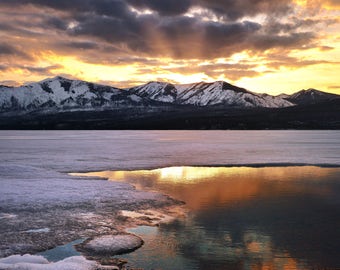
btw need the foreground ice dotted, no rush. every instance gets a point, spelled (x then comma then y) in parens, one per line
(42, 208)
(30, 262)
(113, 244)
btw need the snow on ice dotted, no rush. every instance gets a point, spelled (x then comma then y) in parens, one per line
(33, 262)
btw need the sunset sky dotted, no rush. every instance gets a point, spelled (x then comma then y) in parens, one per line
(270, 46)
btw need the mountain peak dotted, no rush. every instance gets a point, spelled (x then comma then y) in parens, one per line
(310, 96)
(311, 91)
(56, 78)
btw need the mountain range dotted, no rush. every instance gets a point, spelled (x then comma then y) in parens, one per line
(43, 103)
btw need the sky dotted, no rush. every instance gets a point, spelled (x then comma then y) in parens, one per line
(267, 46)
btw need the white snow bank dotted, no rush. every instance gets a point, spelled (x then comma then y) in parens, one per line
(28, 262)
(27, 258)
(114, 244)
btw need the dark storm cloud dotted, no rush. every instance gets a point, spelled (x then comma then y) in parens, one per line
(238, 9)
(178, 37)
(224, 8)
(26, 28)
(225, 34)
(113, 8)
(79, 45)
(293, 40)
(118, 8)
(128, 33)
(168, 31)
(9, 50)
(273, 26)
(57, 23)
(107, 28)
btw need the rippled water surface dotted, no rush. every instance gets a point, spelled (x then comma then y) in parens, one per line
(242, 218)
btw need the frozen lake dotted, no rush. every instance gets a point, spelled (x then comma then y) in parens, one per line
(39, 200)
(70, 151)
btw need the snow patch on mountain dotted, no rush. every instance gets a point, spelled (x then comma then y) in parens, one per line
(158, 91)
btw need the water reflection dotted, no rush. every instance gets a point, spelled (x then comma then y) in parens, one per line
(243, 218)
(210, 187)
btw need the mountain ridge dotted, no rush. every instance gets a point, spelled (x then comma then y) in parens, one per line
(63, 94)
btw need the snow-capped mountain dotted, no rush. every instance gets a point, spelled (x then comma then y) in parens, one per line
(64, 94)
(208, 94)
(61, 94)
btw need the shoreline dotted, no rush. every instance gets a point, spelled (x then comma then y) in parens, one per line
(228, 165)
(32, 221)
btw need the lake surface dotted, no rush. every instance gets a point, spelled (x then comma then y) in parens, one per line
(269, 216)
(75, 151)
(242, 218)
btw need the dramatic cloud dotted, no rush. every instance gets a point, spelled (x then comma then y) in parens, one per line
(243, 8)
(7, 50)
(232, 71)
(135, 36)
(171, 32)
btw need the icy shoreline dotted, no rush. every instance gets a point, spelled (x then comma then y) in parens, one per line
(42, 208)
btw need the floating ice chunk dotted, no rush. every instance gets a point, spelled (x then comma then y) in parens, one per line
(152, 217)
(42, 230)
(33, 262)
(113, 244)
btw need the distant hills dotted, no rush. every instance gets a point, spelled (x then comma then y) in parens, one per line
(60, 103)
